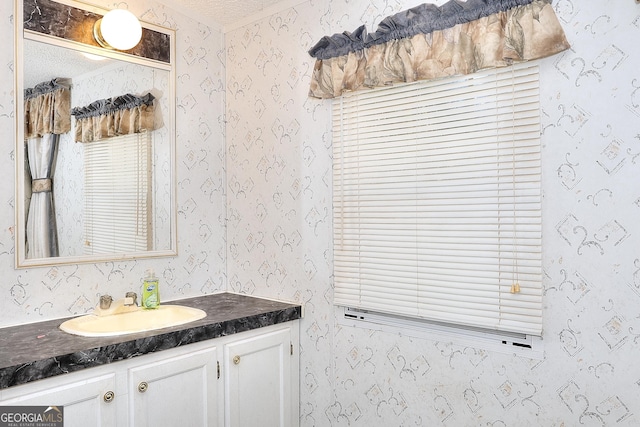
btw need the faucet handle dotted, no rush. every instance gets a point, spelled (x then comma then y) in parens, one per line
(105, 301)
(131, 298)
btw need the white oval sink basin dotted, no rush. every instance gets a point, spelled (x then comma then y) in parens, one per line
(139, 320)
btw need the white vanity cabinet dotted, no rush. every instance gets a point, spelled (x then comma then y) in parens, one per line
(259, 385)
(83, 398)
(176, 391)
(241, 380)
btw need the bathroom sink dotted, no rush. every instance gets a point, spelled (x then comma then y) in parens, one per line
(130, 322)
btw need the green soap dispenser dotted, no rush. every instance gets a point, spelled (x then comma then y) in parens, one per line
(150, 291)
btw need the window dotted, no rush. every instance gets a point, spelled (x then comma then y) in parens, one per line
(437, 200)
(117, 194)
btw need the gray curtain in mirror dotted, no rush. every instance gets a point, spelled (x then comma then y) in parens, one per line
(47, 115)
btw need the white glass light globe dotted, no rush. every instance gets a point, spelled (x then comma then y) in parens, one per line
(121, 29)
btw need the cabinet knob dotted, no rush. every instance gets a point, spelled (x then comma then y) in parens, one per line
(236, 360)
(108, 396)
(142, 387)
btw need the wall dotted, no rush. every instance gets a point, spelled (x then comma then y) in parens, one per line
(279, 207)
(35, 294)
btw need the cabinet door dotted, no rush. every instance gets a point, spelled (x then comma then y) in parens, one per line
(83, 401)
(180, 391)
(258, 381)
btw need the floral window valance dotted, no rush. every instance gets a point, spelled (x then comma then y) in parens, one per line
(429, 42)
(122, 115)
(47, 109)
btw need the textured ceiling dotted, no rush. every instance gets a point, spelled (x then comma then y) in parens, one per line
(59, 62)
(224, 12)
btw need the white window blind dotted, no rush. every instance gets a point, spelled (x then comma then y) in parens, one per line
(437, 200)
(117, 194)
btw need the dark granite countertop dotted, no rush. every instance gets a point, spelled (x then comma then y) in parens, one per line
(41, 350)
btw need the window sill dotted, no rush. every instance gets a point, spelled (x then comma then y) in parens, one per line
(502, 342)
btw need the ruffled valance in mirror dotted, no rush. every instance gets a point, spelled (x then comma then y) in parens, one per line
(47, 108)
(121, 115)
(429, 42)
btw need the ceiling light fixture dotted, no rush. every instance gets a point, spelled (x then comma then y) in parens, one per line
(118, 29)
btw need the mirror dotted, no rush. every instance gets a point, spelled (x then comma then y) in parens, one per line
(94, 73)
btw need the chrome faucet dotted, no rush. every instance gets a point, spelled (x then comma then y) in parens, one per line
(108, 306)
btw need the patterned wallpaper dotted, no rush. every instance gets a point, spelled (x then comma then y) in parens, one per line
(279, 201)
(36, 294)
(277, 183)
